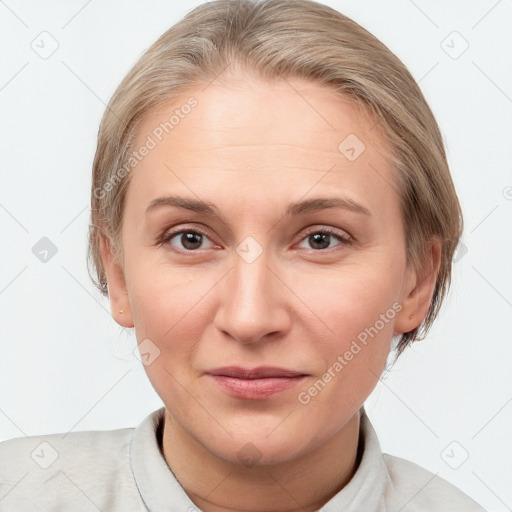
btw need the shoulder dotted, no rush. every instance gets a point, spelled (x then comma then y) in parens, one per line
(44, 450)
(58, 470)
(417, 489)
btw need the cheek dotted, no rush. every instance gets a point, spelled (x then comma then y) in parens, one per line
(168, 303)
(166, 310)
(359, 308)
(354, 298)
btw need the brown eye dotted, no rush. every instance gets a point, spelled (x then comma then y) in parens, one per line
(321, 239)
(185, 240)
(191, 241)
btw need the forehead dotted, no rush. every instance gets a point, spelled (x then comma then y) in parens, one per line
(268, 139)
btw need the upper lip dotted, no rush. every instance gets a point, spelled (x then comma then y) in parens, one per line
(253, 373)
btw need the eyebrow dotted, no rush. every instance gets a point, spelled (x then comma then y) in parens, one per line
(298, 208)
(323, 203)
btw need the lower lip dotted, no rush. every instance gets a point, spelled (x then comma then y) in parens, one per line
(255, 389)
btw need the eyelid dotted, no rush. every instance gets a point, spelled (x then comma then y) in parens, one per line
(318, 228)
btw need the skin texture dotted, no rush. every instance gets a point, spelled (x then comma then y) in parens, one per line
(251, 149)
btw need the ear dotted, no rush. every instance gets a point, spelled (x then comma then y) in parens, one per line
(419, 286)
(118, 295)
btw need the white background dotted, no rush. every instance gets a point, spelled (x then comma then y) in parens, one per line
(65, 364)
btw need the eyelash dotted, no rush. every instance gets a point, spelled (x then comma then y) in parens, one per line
(344, 240)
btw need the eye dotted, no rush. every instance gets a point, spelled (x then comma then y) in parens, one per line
(185, 240)
(190, 240)
(320, 239)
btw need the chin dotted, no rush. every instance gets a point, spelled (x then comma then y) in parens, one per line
(254, 448)
(250, 454)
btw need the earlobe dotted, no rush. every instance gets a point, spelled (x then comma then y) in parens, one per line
(419, 287)
(117, 292)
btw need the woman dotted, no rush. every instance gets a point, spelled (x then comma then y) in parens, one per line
(271, 211)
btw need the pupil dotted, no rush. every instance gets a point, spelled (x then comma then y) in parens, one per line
(191, 240)
(322, 239)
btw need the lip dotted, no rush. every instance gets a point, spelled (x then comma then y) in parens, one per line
(254, 383)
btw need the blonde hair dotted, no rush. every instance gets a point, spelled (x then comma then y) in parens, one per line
(289, 39)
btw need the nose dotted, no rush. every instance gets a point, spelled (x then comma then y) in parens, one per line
(254, 303)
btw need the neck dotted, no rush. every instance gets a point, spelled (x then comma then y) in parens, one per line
(302, 484)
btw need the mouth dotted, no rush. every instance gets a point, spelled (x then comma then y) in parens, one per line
(256, 383)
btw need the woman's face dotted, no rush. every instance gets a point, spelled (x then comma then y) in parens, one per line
(249, 278)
